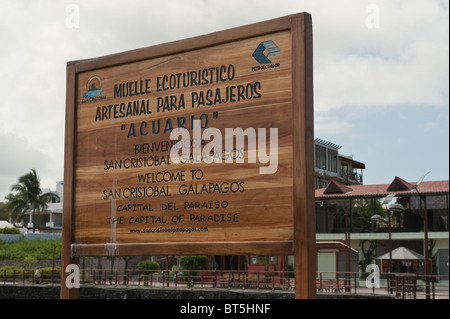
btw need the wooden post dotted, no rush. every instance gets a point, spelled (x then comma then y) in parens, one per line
(67, 223)
(303, 134)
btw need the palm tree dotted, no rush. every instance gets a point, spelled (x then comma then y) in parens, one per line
(28, 197)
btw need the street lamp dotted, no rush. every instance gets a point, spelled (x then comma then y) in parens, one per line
(396, 207)
(391, 208)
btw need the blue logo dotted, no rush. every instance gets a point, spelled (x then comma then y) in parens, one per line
(93, 87)
(266, 50)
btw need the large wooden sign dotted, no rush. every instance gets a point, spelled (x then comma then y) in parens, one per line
(200, 146)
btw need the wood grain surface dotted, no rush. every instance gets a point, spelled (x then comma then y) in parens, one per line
(114, 204)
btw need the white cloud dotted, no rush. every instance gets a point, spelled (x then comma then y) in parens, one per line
(19, 156)
(404, 61)
(328, 126)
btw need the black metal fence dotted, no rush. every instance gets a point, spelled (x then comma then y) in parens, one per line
(400, 286)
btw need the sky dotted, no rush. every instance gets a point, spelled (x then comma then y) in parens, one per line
(381, 79)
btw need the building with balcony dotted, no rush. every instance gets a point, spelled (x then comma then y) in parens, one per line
(343, 213)
(330, 165)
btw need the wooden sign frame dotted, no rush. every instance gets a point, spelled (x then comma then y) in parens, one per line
(302, 245)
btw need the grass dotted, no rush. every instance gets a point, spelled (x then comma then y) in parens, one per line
(32, 249)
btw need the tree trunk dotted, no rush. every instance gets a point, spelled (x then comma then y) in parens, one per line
(34, 221)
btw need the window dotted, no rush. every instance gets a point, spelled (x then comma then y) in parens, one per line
(273, 260)
(332, 161)
(326, 158)
(321, 157)
(262, 260)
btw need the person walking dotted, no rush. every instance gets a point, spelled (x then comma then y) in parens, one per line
(37, 274)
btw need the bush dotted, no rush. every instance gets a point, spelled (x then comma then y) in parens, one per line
(9, 230)
(29, 262)
(47, 271)
(149, 265)
(7, 271)
(193, 262)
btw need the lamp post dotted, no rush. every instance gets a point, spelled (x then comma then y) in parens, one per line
(387, 221)
(424, 214)
(391, 208)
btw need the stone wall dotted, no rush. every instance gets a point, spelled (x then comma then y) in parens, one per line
(95, 292)
(9, 238)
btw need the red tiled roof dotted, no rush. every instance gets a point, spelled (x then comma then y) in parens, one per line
(335, 187)
(399, 184)
(381, 190)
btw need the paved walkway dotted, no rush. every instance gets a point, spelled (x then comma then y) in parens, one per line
(438, 294)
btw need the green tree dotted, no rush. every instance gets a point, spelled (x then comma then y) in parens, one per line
(28, 197)
(148, 267)
(193, 263)
(4, 215)
(369, 255)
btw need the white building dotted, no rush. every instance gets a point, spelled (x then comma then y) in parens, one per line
(50, 220)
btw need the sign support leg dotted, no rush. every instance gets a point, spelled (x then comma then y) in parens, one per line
(303, 134)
